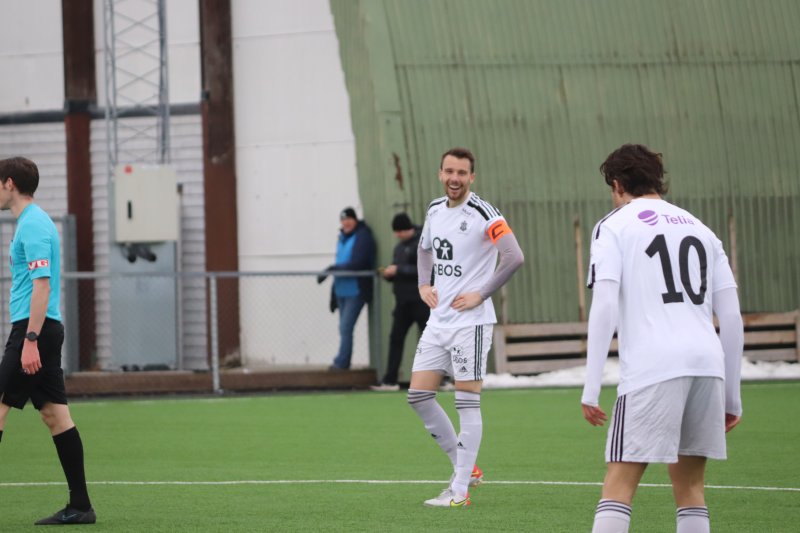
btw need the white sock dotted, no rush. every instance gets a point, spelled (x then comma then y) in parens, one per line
(435, 419)
(693, 520)
(468, 405)
(611, 517)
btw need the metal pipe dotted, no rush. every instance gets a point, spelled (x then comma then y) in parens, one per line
(163, 87)
(375, 355)
(214, 319)
(179, 286)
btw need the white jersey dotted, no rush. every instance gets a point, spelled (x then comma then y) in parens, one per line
(464, 257)
(668, 265)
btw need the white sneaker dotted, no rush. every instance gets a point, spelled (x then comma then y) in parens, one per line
(385, 387)
(448, 499)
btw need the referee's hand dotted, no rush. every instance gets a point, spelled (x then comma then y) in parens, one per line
(31, 363)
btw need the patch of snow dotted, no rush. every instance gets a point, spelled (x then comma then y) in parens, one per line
(574, 377)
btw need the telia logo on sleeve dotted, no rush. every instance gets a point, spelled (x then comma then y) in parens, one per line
(649, 217)
(39, 263)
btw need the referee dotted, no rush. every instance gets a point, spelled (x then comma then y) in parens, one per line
(31, 364)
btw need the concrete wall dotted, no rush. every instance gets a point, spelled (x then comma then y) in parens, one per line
(30, 56)
(296, 170)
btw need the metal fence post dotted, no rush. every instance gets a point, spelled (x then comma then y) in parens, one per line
(376, 358)
(214, 319)
(71, 296)
(179, 315)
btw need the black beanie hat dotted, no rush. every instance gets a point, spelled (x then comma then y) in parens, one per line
(348, 212)
(401, 222)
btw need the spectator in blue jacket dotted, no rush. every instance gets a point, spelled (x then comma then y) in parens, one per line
(355, 250)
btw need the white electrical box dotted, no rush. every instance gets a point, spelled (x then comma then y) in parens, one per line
(146, 203)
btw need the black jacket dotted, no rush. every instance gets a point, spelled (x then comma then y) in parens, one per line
(405, 257)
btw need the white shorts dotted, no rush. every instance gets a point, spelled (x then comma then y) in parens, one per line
(656, 424)
(459, 352)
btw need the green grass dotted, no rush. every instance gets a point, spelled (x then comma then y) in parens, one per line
(529, 435)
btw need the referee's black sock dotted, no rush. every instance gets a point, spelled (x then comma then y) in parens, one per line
(1, 434)
(70, 453)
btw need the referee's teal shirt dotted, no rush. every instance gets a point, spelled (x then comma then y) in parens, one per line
(34, 253)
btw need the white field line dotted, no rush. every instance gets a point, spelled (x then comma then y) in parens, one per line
(377, 482)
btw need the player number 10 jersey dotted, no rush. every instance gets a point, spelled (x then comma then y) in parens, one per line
(668, 265)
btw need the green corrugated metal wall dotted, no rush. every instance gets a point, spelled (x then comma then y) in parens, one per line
(543, 90)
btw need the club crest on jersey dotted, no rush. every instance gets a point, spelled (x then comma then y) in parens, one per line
(463, 226)
(39, 263)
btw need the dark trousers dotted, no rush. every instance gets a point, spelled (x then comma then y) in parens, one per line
(404, 316)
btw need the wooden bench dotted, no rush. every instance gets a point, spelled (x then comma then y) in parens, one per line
(535, 348)
(772, 336)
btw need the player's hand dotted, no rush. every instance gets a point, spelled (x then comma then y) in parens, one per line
(390, 271)
(467, 301)
(594, 415)
(31, 363)
(731, 421)
(429, 295)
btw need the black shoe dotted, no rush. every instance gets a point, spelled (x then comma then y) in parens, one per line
(69, 515)
(334, 368)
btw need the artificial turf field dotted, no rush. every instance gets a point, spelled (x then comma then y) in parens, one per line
(303, 462)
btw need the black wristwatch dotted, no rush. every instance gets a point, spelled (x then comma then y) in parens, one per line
(32, 336)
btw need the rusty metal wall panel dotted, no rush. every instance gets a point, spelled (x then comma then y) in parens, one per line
(543, 90)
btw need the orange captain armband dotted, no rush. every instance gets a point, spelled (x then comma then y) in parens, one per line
(497, 230)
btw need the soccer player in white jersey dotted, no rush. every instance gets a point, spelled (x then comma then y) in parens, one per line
(458, 250)
(657, 275)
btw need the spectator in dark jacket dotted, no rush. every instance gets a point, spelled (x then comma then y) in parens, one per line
(355, 250)
(409, 307)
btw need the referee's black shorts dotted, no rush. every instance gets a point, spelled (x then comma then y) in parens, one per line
(47, 385)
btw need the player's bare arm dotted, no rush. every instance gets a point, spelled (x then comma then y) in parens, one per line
(31, 362)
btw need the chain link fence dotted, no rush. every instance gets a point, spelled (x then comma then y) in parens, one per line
(258, 320)
(207, 320)
(187, 320)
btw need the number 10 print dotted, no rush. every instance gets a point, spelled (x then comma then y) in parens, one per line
(659, 246)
